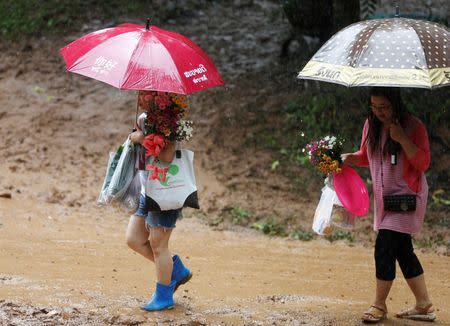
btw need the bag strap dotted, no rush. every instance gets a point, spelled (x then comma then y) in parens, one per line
(178, 149)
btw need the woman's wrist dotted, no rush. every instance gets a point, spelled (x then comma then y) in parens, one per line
(408, 147)
(350, 158)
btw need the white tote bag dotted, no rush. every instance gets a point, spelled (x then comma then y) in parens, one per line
(178, 189)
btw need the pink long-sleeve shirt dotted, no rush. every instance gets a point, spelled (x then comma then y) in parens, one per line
(406, 177)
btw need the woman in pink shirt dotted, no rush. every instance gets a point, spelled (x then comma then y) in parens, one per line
(395, 148)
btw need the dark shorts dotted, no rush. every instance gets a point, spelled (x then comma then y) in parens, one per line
(392, 246)
(156, 219)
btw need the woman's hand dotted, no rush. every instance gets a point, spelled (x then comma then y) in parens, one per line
(137, 137)
(397, 133)
(167, 153)
(350, 158)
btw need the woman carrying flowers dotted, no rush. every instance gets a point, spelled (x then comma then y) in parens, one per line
(395, 148)
(158, 129)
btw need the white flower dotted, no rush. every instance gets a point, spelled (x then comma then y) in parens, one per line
(184, 130)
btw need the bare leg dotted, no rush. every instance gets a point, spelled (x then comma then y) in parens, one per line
(159, 242)
(137, 237)
(382, 292)
(378, 310)
(419, 289)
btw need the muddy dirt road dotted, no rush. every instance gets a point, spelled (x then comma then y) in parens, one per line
(72, 266)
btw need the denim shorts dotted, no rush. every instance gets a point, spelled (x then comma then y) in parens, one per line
(157, 219)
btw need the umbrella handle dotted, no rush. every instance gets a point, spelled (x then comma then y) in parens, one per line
(397, 10)
(147, 26)
(135, 125)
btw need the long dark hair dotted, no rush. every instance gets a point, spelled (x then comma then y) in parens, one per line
(399, 114)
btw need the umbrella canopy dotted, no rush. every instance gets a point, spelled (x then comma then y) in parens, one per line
(395, 52)
(138, 57)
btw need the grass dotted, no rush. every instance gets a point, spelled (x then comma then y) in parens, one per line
(432, 242)
(300, 234)
(340, 235)
(270, 226)
(240, 216)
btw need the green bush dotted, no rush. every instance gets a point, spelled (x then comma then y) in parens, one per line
(300, 234)
(239, 215)
(57, 17)
(432, 242)
(271, 227)
(340, 235)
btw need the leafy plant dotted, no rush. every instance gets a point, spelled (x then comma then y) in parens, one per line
(56, 17)
(240, 215)
(431, 242)
(301, 234)
(270, 227)
(340, 235)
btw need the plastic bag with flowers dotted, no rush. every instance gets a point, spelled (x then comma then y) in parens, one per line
(166, 120)
(170, 185)
(325, 156)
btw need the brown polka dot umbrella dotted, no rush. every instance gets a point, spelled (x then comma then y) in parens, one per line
(396, 52)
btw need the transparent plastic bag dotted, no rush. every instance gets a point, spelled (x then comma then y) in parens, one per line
(322, 217)
(131, 197)
(124, 172)
(110, 168)
(120, 173)
(342, 218)
(330, 212)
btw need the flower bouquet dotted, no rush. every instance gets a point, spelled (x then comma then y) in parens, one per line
(325, 155)
(166, 121)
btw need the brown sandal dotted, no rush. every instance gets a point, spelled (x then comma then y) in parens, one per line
(374, 314)
(418, 313)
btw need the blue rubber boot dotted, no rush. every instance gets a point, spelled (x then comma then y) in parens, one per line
(180, 273)
(162, 298)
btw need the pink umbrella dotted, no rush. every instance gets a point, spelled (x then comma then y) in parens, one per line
(135, 57)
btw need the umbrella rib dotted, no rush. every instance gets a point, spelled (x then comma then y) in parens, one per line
(130, 62)
(359, 54)
(423, 46)
(186, 44)
(129, 71)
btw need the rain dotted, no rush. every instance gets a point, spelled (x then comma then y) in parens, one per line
(257, 250)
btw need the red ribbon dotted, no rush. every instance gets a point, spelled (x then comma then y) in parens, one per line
(154, 144)
(157, 173)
